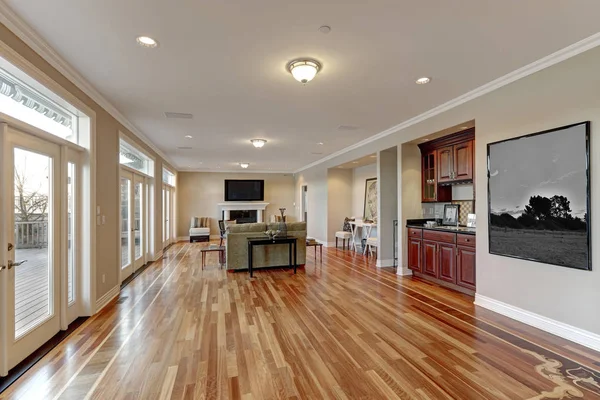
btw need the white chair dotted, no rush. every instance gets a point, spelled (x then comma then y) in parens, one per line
(371, 242)
(200, 229)
(344, 236)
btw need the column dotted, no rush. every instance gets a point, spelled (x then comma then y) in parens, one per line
(387, 205)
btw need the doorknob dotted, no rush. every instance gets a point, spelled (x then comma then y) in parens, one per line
(12, 264)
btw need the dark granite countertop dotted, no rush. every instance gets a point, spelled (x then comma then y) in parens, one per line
(452, 229)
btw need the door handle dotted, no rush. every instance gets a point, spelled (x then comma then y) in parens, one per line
(12, 264)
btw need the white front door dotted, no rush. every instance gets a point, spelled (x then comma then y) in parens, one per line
(30, 279)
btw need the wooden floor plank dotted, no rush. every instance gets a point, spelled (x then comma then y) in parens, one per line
(340, 329)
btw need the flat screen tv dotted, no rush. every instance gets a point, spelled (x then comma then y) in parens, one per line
(244, 190)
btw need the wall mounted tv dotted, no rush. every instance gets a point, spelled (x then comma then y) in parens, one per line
(244, 190)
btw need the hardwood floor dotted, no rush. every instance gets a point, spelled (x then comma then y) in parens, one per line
(338, 329)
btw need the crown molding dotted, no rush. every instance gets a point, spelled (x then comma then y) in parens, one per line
(32, 39)
(545, 62)
(236, 171)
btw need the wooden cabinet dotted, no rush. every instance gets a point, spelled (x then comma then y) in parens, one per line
(463, 161)
(446, 161)
(430, 258)
(455, 163)
(465, 267)
(445, 157)
(430, 189)
(446, 256)
(447, 262)
(414, 254)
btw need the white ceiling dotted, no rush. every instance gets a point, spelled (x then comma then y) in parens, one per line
(224, 62)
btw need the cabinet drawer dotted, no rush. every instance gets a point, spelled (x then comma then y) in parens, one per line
(437, 236)
(415, 233)
(465, 240)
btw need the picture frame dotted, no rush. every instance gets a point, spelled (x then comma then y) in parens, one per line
(539, 202)
(451, 214)
(370, 204)
(471, 221)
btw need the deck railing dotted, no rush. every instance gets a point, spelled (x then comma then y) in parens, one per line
(30, 235)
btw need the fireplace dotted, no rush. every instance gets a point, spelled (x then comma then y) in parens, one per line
(243, 211)
(243, 216)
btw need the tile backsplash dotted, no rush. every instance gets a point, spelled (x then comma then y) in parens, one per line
(436, 210)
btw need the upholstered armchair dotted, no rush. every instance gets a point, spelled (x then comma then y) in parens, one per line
(200, 229)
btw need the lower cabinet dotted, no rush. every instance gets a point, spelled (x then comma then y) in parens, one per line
(414, 254)
(445, 256)
(447, 262)
(430, 258)
(466, 267)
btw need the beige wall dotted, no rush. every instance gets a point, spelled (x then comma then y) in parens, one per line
(317, 191)
(339, 200)
(107, 170)
(559, 95)
(198, 194)
(359, 178)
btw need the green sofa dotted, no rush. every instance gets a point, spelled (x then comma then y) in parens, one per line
(264, 256)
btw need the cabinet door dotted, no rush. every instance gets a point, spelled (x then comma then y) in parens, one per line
(430, 258)
(429, 177)
(447, 262)
(414, 254)
(463, 161)
(465, 270)
(445, 165)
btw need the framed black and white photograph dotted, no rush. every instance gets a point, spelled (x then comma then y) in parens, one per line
(539, 197)
(450, 214)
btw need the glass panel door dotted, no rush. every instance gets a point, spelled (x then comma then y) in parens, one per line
(33, 241)
(125, 237)
(139, 221)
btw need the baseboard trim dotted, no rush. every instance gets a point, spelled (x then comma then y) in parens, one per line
(158, 255)
(104, 300)
(183, 239)
(565, 331)
(385, 263)
(404, 271)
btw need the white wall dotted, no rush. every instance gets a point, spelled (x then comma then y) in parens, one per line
(561, 94)
(339, 200)
(359, 177)
(317, 193)
(198, 194)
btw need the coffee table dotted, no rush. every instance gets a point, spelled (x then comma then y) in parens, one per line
(213, 247)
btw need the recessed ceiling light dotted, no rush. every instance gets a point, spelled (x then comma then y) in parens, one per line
(320, 143)
(258, 143)
(373, 156)
(354, 162)
(304, 69)
(244, 165)
(325, 29)
(423, 80)
(188, 136)
(146, 41)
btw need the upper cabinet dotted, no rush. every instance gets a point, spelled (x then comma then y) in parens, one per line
(455, 163)
(446, 161)
(431, 191)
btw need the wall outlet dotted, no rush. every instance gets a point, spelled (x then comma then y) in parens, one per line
(103, 278)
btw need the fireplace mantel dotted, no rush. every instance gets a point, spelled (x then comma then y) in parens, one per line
(259, 206)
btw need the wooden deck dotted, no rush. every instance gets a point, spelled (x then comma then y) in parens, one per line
(31, 288)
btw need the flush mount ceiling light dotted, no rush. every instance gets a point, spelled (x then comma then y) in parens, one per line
(423, 80)
(258, 143)
(188, 136)
(244, 165)
(146, 41)
(304, 70)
